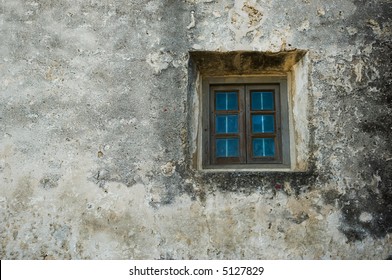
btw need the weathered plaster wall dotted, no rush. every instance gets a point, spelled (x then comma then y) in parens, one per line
(94, 142)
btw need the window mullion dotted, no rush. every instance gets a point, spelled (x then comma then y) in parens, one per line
(242, 113)
(248, 148)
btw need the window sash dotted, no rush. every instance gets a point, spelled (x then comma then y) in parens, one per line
(275, 112)
(240, 135)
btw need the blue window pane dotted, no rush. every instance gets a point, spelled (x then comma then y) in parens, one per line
(227, 147)
(262, 101)
(226, 101)
(263, 123)
(263, 147)
(226, 124)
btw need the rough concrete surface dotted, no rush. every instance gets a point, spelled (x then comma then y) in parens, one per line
(94, 140)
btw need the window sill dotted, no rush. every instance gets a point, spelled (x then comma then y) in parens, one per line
(255, 168)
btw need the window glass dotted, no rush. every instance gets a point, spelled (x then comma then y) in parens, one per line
(226, 124)
(263, 147)
(262, 101)
(227, 147)
(263, 124)
(226, 101)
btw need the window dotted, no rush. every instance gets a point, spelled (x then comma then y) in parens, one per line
(249, 111)
(245, 122)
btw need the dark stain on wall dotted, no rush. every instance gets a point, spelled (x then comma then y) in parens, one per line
(375, 167)
(249, 182)
(244, 62)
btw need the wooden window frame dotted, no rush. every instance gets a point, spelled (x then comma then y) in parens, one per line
(244, 86)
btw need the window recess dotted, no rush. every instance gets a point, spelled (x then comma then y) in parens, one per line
(249, 111)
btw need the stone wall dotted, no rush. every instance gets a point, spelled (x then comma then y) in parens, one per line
(95, 137)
